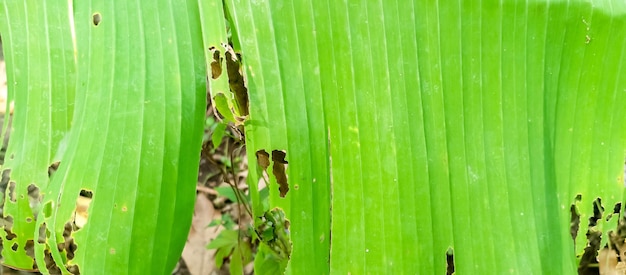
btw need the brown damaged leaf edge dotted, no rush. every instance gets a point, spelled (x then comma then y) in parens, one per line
(278, 169)
(588, 261)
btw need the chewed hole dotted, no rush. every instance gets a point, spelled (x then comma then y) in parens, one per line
(73, 269)
(41, 237)
(30, 248)
(12, 195)
(53, 168)
(279, 170)
(575, 218)
(81, 213)
(96, 18)
(450, 261)
(69, 245)
(10, 234)
(34, 198)
(598, 210)
(216, 64)
(86, 193)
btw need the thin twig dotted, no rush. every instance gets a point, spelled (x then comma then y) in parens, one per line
(206, 190)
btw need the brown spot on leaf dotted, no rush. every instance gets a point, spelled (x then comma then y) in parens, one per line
(278, 169)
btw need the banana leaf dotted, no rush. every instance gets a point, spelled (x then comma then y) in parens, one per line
(425, 134)
(415, 131)
(113, 92)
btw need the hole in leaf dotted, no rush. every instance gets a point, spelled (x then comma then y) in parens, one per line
(73, 269)
(53, 168)
(30, 248)
(278, 169)
(216, 64)
(67, 229)
(34, 198)
(616, 210)
(10, 234)
(41, 236)
(575, 218)
(6, 177)
(263, 159)
(589, 262)
(450, 261)
(14, 247)
(81, 213)
(7, 222)
(12, 195)
(235, 79)
(96, 18)
(598, 210)
(68, 245)
(50, 264)
(86, 193)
